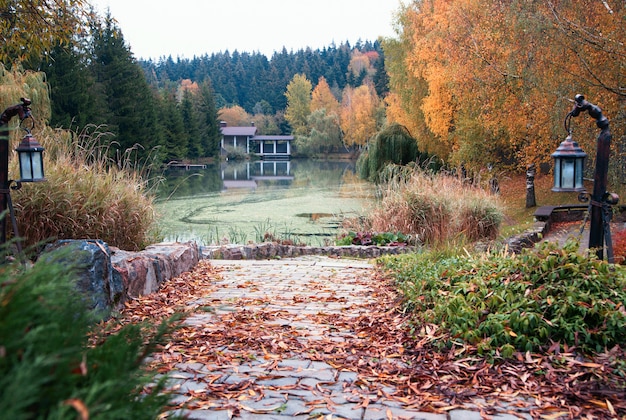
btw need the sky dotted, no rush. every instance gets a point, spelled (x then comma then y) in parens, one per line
(188, 28)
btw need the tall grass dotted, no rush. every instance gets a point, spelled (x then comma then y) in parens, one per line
(87, 193)
(435, 208)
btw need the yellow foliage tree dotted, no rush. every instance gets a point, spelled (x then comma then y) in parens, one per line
(323, 98)
(298, 103)
(490, 80)
(235, 116)
(358, 115)
(29, 28)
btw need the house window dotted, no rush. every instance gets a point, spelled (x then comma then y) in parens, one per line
(268, 147)
(281, 147)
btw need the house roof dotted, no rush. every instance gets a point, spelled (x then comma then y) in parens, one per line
(238, 131)
(285, 138)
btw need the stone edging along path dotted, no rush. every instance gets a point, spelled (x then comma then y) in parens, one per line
(268, 250)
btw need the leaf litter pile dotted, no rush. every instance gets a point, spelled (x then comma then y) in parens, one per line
(362, 331)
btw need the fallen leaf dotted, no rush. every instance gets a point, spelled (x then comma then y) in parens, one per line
(79, 406)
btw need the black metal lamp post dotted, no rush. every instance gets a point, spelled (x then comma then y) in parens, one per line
(30, 154)
(569, 161)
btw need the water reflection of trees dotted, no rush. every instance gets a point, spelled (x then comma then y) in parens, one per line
(180, 183)
(320, 173)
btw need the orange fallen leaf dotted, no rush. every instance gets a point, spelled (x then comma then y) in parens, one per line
(79, 406)
(555, 416)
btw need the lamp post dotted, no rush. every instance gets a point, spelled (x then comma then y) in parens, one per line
(569, 160)
(30, 154)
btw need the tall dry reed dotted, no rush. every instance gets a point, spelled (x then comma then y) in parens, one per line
(86, 195)
(435, 208)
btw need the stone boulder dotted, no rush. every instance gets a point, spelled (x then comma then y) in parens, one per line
(90, 261)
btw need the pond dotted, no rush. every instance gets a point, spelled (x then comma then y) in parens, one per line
(237, 202)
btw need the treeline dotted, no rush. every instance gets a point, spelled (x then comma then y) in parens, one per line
(258, 84)
(170, 109)
(476, 83)
(96, 82)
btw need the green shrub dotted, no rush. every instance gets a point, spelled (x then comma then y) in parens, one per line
(373, 238)
(503, 302)
(47, 367)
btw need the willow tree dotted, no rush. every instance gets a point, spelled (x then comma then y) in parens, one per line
(392, 145)
(324, 136)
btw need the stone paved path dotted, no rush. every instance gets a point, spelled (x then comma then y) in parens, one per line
(292, 302)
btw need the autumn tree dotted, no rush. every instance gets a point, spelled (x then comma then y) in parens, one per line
(186, 86)
(406, 90)
(490, 81)
(358, 115)
(323, 98)
(298, 104)
(31, 28)
(361, 68)
(235, 116)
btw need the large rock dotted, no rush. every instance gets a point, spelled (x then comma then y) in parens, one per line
(90, 260)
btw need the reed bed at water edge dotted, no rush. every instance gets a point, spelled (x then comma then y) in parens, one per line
(88, 194)
(435, 208)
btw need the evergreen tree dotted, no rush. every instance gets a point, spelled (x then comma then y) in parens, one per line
(74, 99)
(131, 103)
(173, 128)
(50, 370)
(210, 134)
(191, 126)
(381, 78)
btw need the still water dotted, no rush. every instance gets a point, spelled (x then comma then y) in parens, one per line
(238, 202)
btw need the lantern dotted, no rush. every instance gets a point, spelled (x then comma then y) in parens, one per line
(569, 162)
(30, 154)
